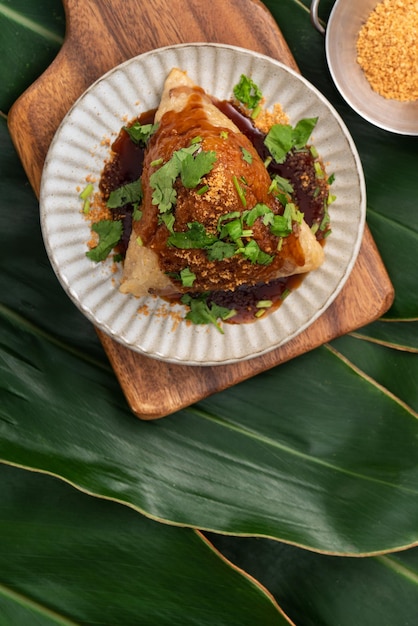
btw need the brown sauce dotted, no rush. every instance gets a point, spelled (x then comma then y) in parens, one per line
(298, 166)
(125, 166)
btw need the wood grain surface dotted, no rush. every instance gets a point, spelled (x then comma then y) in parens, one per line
(101, 34)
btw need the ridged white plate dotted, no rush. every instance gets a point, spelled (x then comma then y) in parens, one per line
(78, 150)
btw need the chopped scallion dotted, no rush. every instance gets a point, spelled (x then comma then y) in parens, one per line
(318, 170)
(240, 191)
(87, 191)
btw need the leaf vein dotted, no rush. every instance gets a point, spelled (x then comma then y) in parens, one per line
(28, 603)
(20, 19)
(292, 451)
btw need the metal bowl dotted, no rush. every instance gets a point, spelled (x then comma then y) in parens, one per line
(341, 32)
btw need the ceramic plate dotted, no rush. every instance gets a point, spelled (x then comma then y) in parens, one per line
(79, 150)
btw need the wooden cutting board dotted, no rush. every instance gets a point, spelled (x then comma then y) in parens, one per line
(99, 36)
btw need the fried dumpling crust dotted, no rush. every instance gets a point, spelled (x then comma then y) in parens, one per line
(186, 112)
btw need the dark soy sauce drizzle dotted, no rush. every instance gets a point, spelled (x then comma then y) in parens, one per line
(126, 167)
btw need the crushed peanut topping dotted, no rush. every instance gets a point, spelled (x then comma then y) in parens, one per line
(387, 49)
(266, 119)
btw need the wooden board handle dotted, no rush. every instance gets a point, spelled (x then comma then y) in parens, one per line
(101, 35)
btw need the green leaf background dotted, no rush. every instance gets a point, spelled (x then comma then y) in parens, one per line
(302, 481)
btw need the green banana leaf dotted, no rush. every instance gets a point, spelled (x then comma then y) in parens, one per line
(71, 559)
(318, 589)
(320, 452)
(332, 481)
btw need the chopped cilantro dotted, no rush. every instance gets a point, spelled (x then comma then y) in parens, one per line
(303, 130)
(140, 133)
(162, 181)
(110, 232)
(168, 219)
(247, 92)
(233, 230)
(202, 313)
(187, 277)
(253, 252)
(136, 215)
(227, 216)
(281, 138)
(131, 193)
(221, 250)
(193, 168)
(185, 163)
(195, 237)
(282, 224)
(246, 155)
(259, 210)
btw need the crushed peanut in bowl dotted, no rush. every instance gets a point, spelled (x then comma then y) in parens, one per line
(387, 49)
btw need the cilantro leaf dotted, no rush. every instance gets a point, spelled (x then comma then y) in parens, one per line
(183, 163)
(136, 215)
(232, 229)
(281, 138)
(187, 277)
(140, 133)
(131, 193)
(161, 181)
(227, 216)
(246, 155)
(221, 250)
(202, 313)
(168, 219)
(110, 232)
(259, 210)
(247, 92)
(195, 237)
(282, 224)
(303, 131)
(253, 252)
(193, 168)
